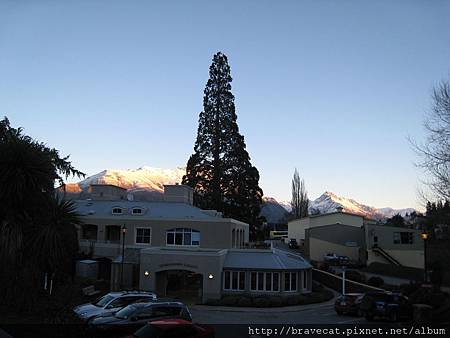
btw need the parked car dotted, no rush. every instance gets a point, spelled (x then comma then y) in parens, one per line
(293, 244)
(386, 305)
(174, 328)
(330, 257)
(135, 316)
(343, 260)
(112, 302)
(349, 304)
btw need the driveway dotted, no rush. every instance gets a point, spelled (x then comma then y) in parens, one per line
(305, 314)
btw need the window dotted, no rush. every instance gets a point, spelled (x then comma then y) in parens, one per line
(117, 211)
(403, 237)
(121, 302)
(89, 231)
(305, 279)
(183, 236)
(165, 311)
(143, 235)
(265, 281)
(234, 280)
(290, 281)
(113, 233)
(136, 211)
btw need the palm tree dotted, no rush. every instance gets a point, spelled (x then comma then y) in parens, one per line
(37, 230)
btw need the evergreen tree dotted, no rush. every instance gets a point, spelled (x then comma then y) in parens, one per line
(220, 170)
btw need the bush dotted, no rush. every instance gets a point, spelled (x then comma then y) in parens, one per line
(375, 281)
(213, 302)
(261, 302)
(275, 301)
(408, 289)
(229, 300)
(244, 301)
(317, 286)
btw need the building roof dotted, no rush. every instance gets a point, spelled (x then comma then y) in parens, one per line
(264, 260)
(150, 210)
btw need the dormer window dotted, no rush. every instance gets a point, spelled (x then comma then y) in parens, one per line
(137, 211)
(117, 211)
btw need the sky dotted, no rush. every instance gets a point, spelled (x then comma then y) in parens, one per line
(333, 88)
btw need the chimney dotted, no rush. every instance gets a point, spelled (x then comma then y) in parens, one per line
(179, 193)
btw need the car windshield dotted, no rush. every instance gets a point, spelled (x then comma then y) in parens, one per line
(126, 312)
(102, 301)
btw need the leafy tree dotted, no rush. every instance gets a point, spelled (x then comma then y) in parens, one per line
(299, 201)
(37, 232)
(220, 170)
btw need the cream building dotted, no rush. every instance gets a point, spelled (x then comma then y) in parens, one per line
(169, 246)
(360, 239)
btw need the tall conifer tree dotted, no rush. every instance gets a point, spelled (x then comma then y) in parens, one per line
(220, 170)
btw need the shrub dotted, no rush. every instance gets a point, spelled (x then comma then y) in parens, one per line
(261, 302)
(229, 300)
(316, 286)
(244, 301)
(213, 302)
(275, 301)
(375, 281)
(408, 289)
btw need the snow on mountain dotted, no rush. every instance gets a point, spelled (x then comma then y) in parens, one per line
(330, 202)
(144, 178)
(149, 179)
(273, 211)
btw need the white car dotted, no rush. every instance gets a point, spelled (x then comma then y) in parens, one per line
(112, 302)
(330, 257)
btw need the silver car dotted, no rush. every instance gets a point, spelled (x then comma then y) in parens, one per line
(112, 302)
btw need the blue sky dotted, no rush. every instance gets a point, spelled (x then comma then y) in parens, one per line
(330, 87)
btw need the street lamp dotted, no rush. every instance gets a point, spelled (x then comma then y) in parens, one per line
(124, 232)
(424, 236)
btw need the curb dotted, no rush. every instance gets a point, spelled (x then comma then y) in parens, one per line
(293, 308)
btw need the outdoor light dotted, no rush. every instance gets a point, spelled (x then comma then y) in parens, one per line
(146, 273)
(211, 276)
(124, 229)
(424, 236)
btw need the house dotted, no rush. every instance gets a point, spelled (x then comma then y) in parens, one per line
(362, 240)
(169, 246)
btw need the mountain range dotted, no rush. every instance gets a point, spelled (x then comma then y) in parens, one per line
(152, 180)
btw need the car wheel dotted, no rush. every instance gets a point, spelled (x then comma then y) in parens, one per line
(369, 317)
(393, 317)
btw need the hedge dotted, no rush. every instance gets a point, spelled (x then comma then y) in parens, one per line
(272, 301)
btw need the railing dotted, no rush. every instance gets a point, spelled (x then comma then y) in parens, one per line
(102, 241)
(335, 282)
(386, 255)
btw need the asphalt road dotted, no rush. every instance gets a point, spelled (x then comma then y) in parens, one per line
(324, 314)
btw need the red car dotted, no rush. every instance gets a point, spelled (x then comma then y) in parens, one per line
(174, 328)
(349, 304)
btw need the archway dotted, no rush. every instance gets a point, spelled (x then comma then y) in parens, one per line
(180, 284)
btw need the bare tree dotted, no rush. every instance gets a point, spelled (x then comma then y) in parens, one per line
(299, 202)
(435, 151)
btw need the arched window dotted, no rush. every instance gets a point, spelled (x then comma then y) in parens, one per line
(117, 211)
(183, 237)
(137, 211)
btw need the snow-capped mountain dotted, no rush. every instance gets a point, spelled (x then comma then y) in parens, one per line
(144, 178)
(148, 179)
(273, 211)
(330, 202)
